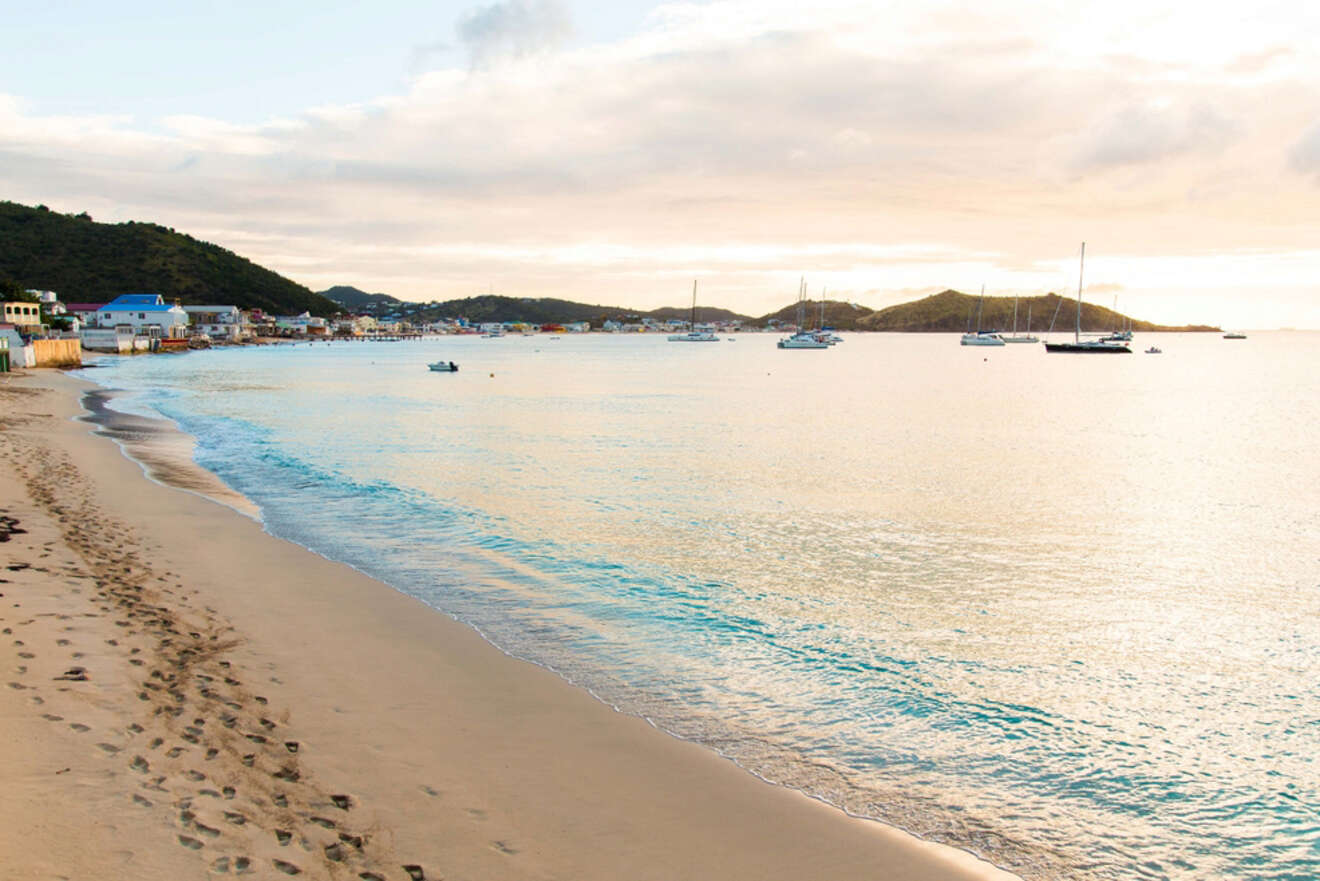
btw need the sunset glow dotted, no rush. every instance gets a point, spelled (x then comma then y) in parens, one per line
(884, 151)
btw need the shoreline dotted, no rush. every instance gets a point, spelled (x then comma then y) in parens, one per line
(456, 759)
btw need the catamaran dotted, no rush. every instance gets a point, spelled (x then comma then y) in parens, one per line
(981, 337)
(804, 339)
(693, 335)
(1017, 337)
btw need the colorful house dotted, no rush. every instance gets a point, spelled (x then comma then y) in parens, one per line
(142, 312)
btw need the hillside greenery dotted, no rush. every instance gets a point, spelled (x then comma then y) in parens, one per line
(948, 312)
(358, 301)
(951, 311)
(493, 308)
(88, 262)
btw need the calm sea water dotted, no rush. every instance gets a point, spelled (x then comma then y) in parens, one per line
(1061, 611)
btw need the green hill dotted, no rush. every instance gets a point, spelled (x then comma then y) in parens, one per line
(88, 262)
(838, 315)
(355, 300)
(951, 311)
(495, 308)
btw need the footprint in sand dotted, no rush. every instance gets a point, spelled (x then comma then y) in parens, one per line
(286, 868)
(289, 773)
(415, 872)
(190, 842)
(80, 727)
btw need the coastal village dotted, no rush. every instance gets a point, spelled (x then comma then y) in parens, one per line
(53, 333)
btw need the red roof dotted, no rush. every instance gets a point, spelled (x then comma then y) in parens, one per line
(83, 307)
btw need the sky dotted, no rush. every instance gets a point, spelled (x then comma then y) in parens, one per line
(612, 153)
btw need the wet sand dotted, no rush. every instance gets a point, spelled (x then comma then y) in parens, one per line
(187, 696)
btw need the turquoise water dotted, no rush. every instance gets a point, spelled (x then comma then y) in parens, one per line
(1060, 611)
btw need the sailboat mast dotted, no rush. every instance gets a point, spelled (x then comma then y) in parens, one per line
(692, 325)
(979, 304)
(1077, 334)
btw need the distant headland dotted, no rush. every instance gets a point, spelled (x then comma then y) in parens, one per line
(86, 261)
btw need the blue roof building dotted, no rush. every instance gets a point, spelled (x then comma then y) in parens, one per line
(141, 311)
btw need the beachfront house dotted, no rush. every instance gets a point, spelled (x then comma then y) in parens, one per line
(24, 316)
(84, 314)
(220, 323)
(142, 312)
(305, 324)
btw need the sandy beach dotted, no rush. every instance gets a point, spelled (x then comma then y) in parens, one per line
(186, 696)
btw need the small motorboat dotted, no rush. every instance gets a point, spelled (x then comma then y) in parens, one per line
(1154, 350)
(444, 367)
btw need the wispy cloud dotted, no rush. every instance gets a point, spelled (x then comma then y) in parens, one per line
(1147, 132)
(1305, 154)
(513, 28)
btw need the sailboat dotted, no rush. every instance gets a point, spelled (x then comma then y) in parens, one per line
(693, 335)
(1079, 345)
(982, 337)
(1021, 338)
(1121, 333)
(803, 339)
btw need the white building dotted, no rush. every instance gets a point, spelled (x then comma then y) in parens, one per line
(144, 311)
(222, 323)
(305, 323)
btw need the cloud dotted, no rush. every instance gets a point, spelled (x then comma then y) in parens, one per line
(1305, 154)
(1149, 132)
(754, 141)
(513, 28)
